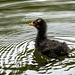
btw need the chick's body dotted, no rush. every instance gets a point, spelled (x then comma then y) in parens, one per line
(51, 48)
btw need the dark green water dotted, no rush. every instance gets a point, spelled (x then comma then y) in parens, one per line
(17, 38)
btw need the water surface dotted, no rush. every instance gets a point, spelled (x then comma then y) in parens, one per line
(17, 39)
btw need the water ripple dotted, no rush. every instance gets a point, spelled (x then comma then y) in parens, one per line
(18, 54)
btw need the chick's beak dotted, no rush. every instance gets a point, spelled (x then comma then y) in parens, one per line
(31, 24)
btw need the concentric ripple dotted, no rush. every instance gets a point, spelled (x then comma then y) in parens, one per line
(24, 57)
(16, 57)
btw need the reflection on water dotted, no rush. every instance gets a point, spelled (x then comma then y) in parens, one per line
(18, 55)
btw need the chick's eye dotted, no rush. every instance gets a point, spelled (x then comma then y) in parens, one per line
(36, 22)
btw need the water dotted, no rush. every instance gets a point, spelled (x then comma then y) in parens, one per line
(17, 38)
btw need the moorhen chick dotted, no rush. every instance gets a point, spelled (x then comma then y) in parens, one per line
(51, 48)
